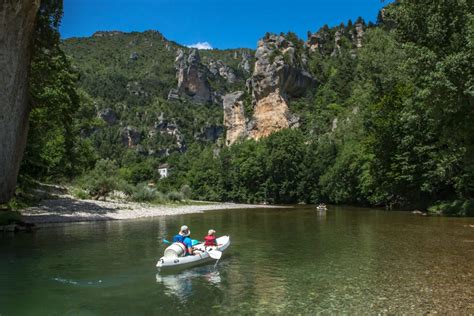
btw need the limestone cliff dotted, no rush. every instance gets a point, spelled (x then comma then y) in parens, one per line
(328, 41)
(17, 20)
(192, 78)
(279, 75)
(234, 117)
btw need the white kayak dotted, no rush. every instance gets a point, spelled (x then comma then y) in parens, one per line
(202, 256)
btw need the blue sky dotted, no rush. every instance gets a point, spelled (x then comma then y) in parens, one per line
(222, 23)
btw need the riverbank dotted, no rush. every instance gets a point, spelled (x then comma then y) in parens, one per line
(69, 209)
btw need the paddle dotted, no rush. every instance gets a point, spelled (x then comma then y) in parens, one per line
(213, 253)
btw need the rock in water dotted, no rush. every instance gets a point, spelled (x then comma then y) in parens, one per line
(17, 20)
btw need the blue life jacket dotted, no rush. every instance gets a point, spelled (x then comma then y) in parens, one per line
(182, 239)
(179, 238)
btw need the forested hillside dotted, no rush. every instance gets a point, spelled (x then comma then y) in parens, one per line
(368, 113)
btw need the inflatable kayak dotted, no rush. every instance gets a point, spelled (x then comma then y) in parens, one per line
(204, 255)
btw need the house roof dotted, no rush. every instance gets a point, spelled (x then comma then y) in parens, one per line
(163, 166)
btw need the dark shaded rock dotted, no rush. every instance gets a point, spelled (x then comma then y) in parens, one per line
(134, 56)
(17, 20)
(130, 137)
(108, 115)
(211, 133)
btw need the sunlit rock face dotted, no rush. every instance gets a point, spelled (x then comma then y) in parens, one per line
(17, 21)
(271, 114)
(192, 78)
(279, 74)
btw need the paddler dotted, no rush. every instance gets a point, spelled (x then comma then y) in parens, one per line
(184, 237)
(210, 239)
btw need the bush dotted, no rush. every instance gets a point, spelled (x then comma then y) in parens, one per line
(102, 180)
(175, 196)
(186, 191)
(9, 217)
(453, 208)
(80, 193)
(143, 193)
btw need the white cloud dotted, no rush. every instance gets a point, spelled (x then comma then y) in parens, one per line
(200, 45)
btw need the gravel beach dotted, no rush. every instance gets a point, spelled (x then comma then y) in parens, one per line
(69, 209)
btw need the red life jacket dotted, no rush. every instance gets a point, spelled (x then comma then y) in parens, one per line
(210, 241)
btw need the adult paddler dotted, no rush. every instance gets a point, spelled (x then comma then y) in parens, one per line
(184, 237)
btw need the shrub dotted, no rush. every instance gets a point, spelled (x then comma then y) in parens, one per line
(143, 193)
(454, 208)
(80, 193)
(9, 217)
(175, 196)
(186, 191)
(102, 180)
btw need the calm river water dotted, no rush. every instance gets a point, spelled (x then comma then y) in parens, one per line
(281, 261)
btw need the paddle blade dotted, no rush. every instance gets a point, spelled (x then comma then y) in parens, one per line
(166, 241)
(215, 254)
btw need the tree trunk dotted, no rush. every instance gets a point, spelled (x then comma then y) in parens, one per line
(17, 27)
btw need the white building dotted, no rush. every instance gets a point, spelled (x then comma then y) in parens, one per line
(163, 169)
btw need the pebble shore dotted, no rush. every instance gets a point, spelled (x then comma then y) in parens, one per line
(69, 209)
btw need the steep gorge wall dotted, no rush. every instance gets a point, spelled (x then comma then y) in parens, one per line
(279, 74)
(17, 26)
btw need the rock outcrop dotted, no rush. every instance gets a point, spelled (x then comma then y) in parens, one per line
(279, 75)
(357, 34)
(328, 41)
(108, 115)
(245, 62)
(17, 20)
(192, 78)
(218, 68)
(131, 137)
(234, 117)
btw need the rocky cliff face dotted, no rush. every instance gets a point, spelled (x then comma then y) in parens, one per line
(279, 75)
(218, 68)
(192, 78)
(328, 41)
(17, 20)
(234, 117)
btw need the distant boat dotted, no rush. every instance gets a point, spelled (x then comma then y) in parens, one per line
(322, 207)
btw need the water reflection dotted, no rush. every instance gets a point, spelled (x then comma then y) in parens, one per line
(181, 283)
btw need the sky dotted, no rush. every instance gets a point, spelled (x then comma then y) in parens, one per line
(212, 23)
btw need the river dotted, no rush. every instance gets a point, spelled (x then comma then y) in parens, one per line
(281, 261)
